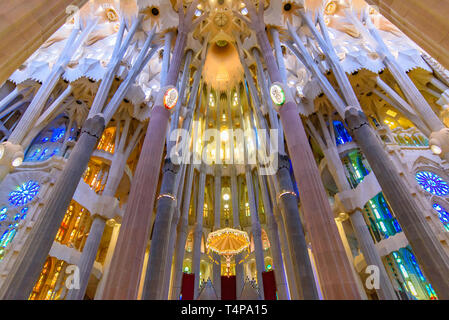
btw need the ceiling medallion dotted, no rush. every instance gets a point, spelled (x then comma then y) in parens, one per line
(331, 8)
(170, 98)
(277, 94)
(220, 19)
(111, 14)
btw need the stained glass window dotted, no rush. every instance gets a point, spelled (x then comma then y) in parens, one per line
(3, 214)
(432, 183)
(381, 221)
(356, 167)
(341, 134)
(443, 215)
(24, 193)
(50, 141)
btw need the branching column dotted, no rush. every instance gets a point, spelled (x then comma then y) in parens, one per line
(198, 230)
(159, 260)
(303, 275)
(134, 233)
(333, 266)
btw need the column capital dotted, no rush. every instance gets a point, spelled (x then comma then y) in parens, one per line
(355, 118)
(217, 170)
(106, 207)
(170, 166)
(94, 126)
(283, 162)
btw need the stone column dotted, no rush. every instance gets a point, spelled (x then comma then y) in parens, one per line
(256, 229)
(160, 259)
(105, 207)
(336, 277)
(134, 231)
(181, 238)
(216, 268)
(88, 257)
(159, 242)
(281, 281)
(239, 272)
(183, 225)
(198, 231)
(107, 262)
(166, 57)
(291, 279)
(303, 273)
(426, 246)
(136, 225)
(298, 248)
(24, 274)
(279, 56)
(371, 255)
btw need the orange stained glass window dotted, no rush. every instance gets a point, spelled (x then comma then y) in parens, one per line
(75, 227)
(107, 141)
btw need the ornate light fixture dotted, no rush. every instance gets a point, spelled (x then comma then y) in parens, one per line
(277, 94)
(227, 242)
(170, 98)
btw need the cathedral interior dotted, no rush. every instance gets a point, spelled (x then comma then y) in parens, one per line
(222, 150)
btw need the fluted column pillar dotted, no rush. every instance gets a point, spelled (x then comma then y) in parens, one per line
(289, 208)
(285, 249)
(182, 237)
(239, 272)
(256, 229)
(216, 267)
(159, 243)
(88, 257)
(198, 231)
(281, 281)
(107, 262)
(131, 244)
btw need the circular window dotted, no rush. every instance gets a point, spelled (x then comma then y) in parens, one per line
(432, 183)
(24, 193)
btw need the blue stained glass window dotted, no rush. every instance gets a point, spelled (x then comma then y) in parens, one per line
(42, 154)
(443, 215)
(24, 193)
(432, 183)
(57, 134)
(341, 134)
(3, 214)
(49, 142)
(24, 212)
